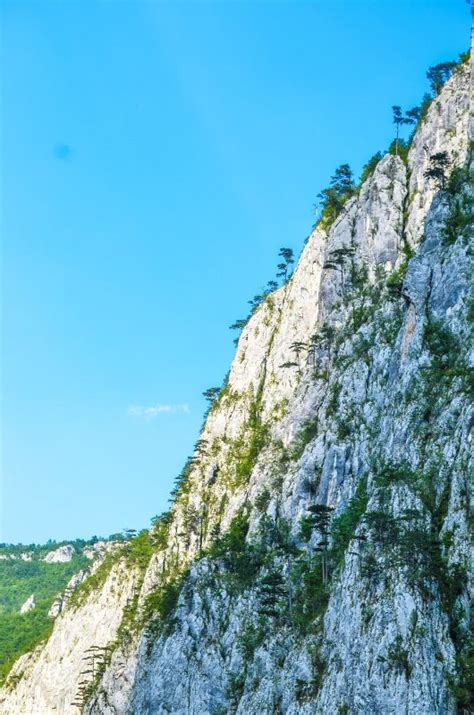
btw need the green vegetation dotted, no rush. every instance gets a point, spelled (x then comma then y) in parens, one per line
(262, 500)
(241, 558)
(307, 690)
(250, 639)
(463, 685)
(333, 401)
(286, 254)
(307, 432)
(272, 592)
(447, 364)
(331, 200)
(400, 148)
(443, 346)
(337, 260)
(397, 657)
(411, 117)
(345, 524)
(292, 585)
(19, 579)
(369, 168)
(415, 542)
(134, 554)
(460, 221)
(244, 451)
(95, 581)
(313, 574)
(161, 603)
(160, 529)
(396, 278)
(20, 632)
(439, 75)
(236, 687)
(438, 169)
(139, 550)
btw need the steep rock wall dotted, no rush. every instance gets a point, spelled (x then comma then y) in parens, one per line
(368, 421)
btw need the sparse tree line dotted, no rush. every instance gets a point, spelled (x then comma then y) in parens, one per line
(319, 341)
(331, 200)
(287, 260)
(95, 662)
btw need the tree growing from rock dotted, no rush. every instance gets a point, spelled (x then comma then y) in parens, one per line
(211, 393)
(332, 199)
(439, 74)
(319, 518)
(336, 260)
(413, 115)
(272, 590)
(239, 324)
(438, 169)
(283, 268)
(297, 347)
(399, 120)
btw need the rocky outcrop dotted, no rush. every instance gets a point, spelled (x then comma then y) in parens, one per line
(61, 601)
(99, 550)
(24, 556)
(28, 605)
(61, 555)
(316, 559)
(447, 130)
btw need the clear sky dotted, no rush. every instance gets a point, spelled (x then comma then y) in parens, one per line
(155, 157)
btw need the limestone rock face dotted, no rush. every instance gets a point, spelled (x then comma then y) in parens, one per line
(24, 556)
(28, 605)
(60, 602)
(61, 555)
(446, 129)
(66, 657)
(348, 394)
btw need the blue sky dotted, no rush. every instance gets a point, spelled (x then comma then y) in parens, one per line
(155, 157)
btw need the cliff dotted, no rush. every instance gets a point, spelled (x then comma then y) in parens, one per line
(316, 559)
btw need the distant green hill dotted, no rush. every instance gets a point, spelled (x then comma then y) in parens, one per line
(19, 579)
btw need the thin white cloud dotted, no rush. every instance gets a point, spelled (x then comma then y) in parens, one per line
(153, 411)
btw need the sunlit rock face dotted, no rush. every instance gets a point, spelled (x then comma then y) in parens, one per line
(371, 419)
(29, 604)
(61, 555)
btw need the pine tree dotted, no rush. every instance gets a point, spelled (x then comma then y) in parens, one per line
(239, 324)
(337, 258)
(439, 74)
(297, 347)
(333, 198)
(321, 518)
(271, 591)
(438, 169)
(398, 120)
(413, 115)
(287, 255)
(211, 393)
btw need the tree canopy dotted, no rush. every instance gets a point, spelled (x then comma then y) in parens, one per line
(439, 74)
